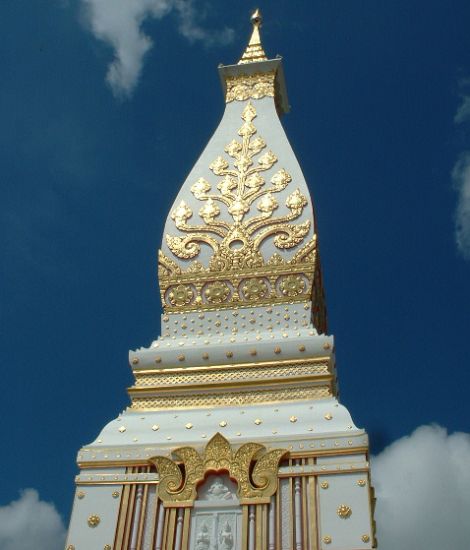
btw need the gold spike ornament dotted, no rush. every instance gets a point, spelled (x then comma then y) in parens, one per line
(254, 51)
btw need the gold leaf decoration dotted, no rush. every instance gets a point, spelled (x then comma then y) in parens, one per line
(216, 260)
(179, 479)
(241, 185)
(255, 86)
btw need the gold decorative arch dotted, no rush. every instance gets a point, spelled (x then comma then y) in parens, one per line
(180, 478)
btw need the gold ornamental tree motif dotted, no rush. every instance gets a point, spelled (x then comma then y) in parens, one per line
(254, 470)
(239, 212)
(241, 189)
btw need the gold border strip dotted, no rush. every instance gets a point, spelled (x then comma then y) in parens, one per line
(123, 510)
(262, 270)
(335, 451)
(209, 403)
(144, 462)
(143, 516)
(182, 390)
(322, 473)
(229, 366)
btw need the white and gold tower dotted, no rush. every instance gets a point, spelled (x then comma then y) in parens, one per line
(234, 438)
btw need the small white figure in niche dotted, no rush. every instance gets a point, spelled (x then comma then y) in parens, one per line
(218, 491)
(226, 537)
(203, 540)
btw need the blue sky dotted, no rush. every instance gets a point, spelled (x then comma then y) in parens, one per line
(380, 95)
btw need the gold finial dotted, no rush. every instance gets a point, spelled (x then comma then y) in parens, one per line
(254, 51)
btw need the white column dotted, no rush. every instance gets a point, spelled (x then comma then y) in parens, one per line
(298, 512)
(161, 519)
(179, 529)
(137, 513)
(251, 527)
(272, 524)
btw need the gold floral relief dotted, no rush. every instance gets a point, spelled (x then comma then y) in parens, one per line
(254, 86)
(254, 470)
(239, 213)
(241, 188)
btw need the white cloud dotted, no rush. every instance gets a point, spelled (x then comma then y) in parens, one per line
(119, 24)
(30, 524)
(463, 112)
(461, 179)
(423, 491)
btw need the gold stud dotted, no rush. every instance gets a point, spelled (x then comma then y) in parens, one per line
(135, 361)
(188, 426)
(327, 345)
(253, 352)
(293, 419)
(327, 539)
(328, 416)
(70, 547)
(122, 429)
(324, 484)
(365, 538)
(158, 359)
(301, 348)
(107, 547)
(181, 357)
(229, 354)
(238, 433)
(80, 494)
(115, 494)
(258, 421)
(361, 482)
(277, 350)
(205, 355)
(155, 427)
(93, 521)
(344, 511)
(222, 424)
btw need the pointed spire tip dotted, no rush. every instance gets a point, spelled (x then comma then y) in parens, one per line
(254, 51)
(256, 18)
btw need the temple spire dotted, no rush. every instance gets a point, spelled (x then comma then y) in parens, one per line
(254, 51)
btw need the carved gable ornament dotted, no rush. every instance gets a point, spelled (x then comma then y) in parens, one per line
(179, 479)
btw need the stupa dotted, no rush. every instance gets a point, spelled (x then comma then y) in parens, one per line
(234, 437)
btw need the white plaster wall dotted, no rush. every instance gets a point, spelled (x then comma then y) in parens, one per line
(99, 501)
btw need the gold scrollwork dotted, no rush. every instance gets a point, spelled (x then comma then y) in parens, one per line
(241, 185)
(254, 86)
(179, 479)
